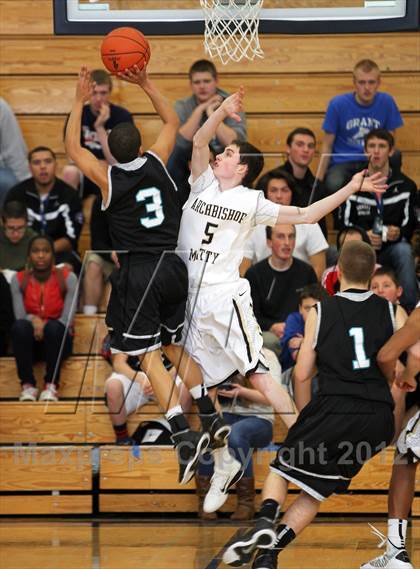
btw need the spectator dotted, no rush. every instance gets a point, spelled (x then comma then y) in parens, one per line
(53, 207)
(43, 303)
(246, 410)
(126, 390)
(300, 148)
(98, 265)
(329, 278)
(295, 324)
(348, 120)
(6, 315)
(98, 118)
(385, 283)
(389, 218)
(13, 152)
(276, 283)
(310, 246)
(193, 111)
(14, 237)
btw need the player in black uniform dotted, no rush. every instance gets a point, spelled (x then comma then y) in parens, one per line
(344, 425)
(146, 310)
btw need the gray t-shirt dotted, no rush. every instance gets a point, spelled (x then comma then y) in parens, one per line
(184, 109)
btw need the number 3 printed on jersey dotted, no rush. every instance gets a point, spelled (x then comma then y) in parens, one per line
(152, 199)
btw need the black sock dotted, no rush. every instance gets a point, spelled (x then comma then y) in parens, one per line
(121, 431)
(285, 535)
(178, 423)
(270, 510)
(205, 405)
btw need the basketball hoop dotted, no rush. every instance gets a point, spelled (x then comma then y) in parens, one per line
(231, 29)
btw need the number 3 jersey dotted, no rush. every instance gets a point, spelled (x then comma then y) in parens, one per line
(143, 207)
(215, 227)
(352, 327)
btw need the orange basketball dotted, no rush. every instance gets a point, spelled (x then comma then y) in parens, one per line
(124, 47)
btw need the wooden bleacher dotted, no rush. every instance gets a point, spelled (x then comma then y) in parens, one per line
(48, 455)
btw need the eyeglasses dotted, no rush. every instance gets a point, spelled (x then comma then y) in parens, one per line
(15, 229)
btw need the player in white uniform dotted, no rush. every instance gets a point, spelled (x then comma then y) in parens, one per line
(220, 329)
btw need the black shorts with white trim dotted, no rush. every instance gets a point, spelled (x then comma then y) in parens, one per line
(147, 303)
(330, 442)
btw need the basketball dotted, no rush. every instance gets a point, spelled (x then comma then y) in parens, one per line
(123, 48)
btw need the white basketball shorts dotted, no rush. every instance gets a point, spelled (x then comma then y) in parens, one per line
(221, 332)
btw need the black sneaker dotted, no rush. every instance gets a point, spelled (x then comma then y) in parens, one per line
(219, 431)
(241, 550)
(189, 446)
(265, 559)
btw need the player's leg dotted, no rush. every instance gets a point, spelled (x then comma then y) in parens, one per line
(277, 396)
(93, 284)
(191, 376)
(263, 535)
(189, 444)
(400, 499)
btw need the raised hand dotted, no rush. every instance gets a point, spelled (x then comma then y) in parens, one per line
(85, 85)
(134, 75)
(104, 114)
(362, 182)
(233, 105)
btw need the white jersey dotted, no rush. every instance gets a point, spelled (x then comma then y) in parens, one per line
(215, 227)
(309, 241)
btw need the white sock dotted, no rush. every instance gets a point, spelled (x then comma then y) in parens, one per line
(173, 411)
(90, 309)
(198, 391)
(397, 530)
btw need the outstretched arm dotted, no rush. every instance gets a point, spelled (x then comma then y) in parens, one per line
(165, 141)
(314, 212)
(231, 107)
(91, 167)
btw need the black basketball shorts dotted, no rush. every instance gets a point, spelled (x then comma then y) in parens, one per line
(147, 303)
(331, 441)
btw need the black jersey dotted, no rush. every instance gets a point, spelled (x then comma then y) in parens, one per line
(352, 328)
(142, 207)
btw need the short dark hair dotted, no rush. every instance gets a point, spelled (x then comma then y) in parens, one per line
(357, 261)
(253, 158)
(386, 271)
(41, 149)
(351, 231)
(276, 174)
(382, 134)
(101, 77)
(299, 130)
(14, 210)
(314, 290)
(37, 238)
(124, 142)
(203, 66)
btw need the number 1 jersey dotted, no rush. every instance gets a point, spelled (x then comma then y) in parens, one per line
(215, 227)
(143, 207)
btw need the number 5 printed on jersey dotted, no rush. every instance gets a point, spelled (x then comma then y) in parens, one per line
(152, 199)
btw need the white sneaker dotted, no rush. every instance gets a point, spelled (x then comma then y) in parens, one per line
(49, 393)
(221, 481)
(28, 393)
(394, 558)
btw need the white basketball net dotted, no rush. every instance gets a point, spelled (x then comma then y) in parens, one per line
(231, 29)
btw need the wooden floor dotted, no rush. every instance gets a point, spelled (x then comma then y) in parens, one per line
(126, 544)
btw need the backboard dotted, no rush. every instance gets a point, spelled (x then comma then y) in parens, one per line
(179, 17)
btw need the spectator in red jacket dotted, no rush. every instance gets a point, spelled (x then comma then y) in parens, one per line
(44, 303)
